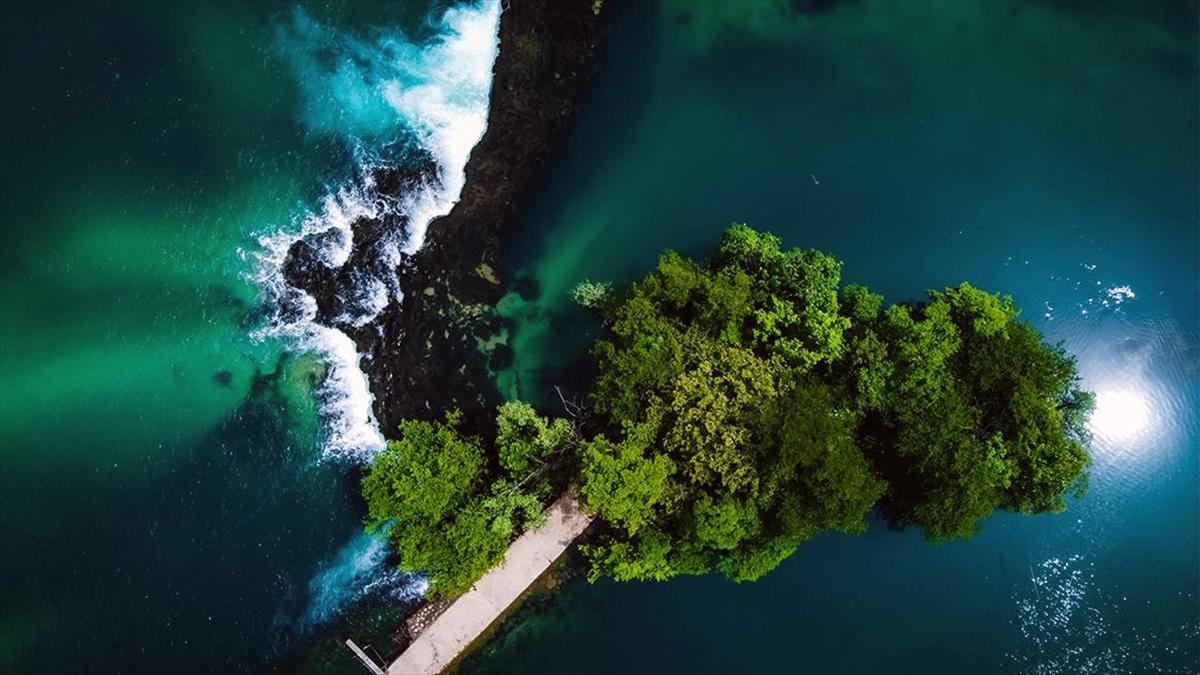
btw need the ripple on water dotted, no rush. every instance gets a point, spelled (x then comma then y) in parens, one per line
(1066, 625)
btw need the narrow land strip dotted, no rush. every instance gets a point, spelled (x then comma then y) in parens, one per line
(471, 614)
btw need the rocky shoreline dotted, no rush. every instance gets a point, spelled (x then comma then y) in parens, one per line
(422, 355)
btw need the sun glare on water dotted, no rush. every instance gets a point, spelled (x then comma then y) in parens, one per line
(1120, 414)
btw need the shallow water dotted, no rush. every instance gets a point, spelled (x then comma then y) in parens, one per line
(1039, 149)
(180, 440)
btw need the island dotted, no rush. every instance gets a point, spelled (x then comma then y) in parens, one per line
(743, 405)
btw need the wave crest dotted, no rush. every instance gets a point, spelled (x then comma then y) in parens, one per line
(391, 99)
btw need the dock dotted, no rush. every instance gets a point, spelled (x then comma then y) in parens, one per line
(466, 619)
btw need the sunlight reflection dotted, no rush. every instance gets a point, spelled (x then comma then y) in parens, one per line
(1120, 414)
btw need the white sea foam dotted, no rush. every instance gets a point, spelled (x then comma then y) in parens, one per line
(359, 569)
(448, 109)
(345, 397)
(1119, 294)
(436, 92)
(379, 92)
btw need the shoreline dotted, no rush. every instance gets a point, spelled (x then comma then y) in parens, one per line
(425, 353)
(468, 619)
(422, 354)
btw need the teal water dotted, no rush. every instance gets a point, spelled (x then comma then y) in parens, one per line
(1047, 150)
(178, 488)
(178, 443)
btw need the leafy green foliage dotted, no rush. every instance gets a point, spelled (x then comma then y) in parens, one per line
(444, 510)
(979, 414)
(524, 439)
(508, 506)
(423, 488)
(623, 480)
(746, 406)
(429, 473)
(754, 406)
(705, 373)
(795, 295)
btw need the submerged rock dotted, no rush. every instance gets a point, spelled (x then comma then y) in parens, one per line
(420, 351)
(347, 290)
(485, 271)
(538, 39)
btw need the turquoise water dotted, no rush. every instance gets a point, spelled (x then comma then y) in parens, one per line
(1047, 150)
(180, 442)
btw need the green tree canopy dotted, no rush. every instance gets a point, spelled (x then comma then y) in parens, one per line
(978, 413)
(423, 490)
(525, 439)
(745, 405)
(725, 461)
(751, 405)
(446, 511)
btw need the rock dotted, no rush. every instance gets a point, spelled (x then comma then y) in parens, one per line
(411, 376)
(485, 270)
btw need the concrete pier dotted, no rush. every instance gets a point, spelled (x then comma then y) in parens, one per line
(473, 612)
(364, 659)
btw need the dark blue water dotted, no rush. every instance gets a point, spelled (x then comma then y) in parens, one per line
(1046, 150)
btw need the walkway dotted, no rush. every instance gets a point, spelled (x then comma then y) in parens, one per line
(473, 612)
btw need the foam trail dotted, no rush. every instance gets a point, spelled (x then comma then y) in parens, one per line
(344, 395)
(390, 99)
(449, 109)
(435, 92)
(358, 570)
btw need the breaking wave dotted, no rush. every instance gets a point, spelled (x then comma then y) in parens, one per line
(390, 98)
(359, 569)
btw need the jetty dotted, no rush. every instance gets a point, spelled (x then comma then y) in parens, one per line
(468, 616)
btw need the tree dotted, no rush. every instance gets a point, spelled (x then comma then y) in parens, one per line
(978, 413)
(723, 463)
(744, 406)
(623, 481)
(591, 294)
(750, 405)
(425, 475)
(444, 511)
(795, 294)
(423, 490)
(524, 439)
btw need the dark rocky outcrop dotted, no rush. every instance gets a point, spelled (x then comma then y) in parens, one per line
(422, 354)
(426, 359)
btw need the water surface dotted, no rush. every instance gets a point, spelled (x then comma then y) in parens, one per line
(178, 490)
(1046, 150)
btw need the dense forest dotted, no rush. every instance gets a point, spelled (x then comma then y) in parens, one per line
(743, 405)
